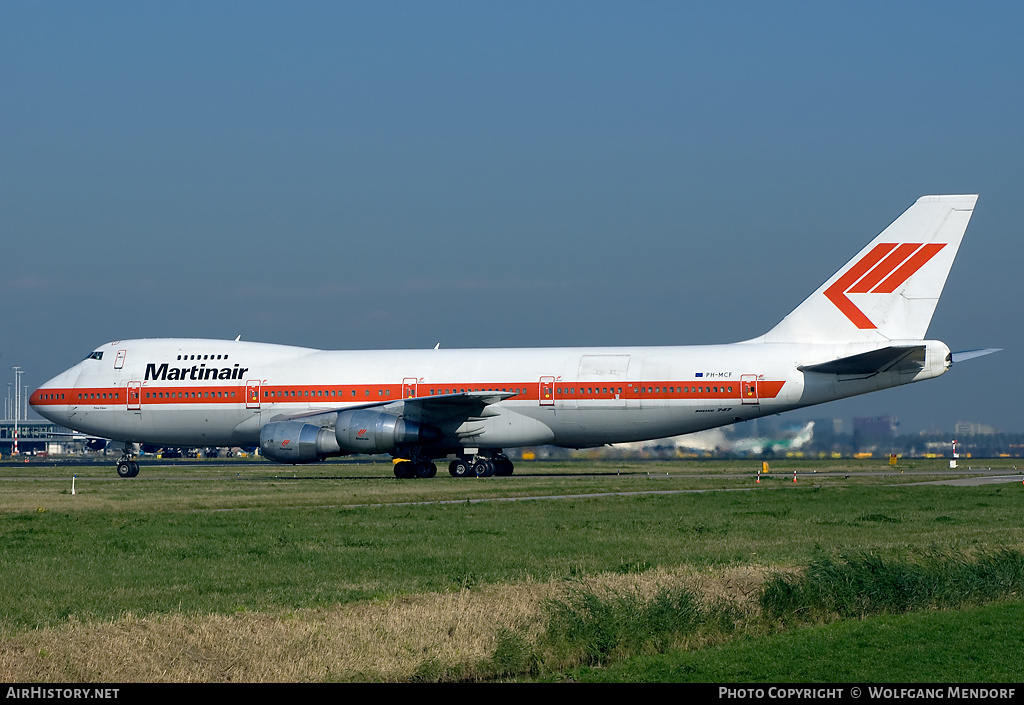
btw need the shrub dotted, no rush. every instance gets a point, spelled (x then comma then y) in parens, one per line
(590, 628)
(866, 583)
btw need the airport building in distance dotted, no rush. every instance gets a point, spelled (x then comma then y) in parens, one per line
(36, 436)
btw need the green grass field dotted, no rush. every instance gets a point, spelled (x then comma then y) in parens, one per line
(224, 539)
(975, 645)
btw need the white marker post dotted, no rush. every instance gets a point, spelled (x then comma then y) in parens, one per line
(952, 463)
(73, 484)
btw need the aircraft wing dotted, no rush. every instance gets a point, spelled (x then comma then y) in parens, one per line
(873, 362)
(91, 441)
(432, 409)
(444, 407)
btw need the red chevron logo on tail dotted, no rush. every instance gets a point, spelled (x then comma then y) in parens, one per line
(880, 271)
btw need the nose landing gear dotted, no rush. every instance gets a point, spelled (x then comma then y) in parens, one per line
(126, 465)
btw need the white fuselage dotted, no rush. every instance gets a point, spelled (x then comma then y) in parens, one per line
(194, 392)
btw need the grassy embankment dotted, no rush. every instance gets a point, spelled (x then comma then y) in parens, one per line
(213, 574)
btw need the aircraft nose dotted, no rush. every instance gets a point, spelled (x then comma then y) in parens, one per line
(53, 399)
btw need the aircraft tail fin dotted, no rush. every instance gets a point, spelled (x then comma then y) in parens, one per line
(889, 290)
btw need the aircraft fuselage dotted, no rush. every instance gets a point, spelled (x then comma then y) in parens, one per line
(221, 393)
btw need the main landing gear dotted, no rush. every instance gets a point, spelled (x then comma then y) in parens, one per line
(419, 467)
(481, 466)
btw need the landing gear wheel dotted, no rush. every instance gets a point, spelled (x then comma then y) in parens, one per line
(403, 469)
(127, 468)
(425, 469)
(459, 468)
(504, 466)
(484, 467)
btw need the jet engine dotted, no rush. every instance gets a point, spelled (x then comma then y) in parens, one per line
(297, 442)
(371, 431)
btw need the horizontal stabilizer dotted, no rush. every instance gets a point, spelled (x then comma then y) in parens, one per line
(873, 362)
(969, 354)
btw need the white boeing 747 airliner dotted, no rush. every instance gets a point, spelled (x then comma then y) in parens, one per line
(862, 331)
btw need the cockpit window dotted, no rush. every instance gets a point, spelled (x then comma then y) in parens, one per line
(98, 355)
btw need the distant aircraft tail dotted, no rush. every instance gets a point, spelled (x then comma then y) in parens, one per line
(890, 289)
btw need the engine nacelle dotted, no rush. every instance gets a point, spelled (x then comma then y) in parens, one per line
(370, 431)
(297, 442)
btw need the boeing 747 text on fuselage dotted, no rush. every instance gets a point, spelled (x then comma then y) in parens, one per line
(861, 331)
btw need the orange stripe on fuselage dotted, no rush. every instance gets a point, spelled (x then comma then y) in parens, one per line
(284, 394)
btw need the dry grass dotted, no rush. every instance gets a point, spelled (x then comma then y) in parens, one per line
(379, 641)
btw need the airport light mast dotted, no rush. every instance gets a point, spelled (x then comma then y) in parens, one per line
(17, 405)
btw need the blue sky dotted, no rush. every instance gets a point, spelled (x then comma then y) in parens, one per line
(397, 174)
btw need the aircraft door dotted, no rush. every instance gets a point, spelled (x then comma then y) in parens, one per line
(748, 389)
(409, 387)
(547, 391)
(252, 394)
(119, 361)
(134, 396)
